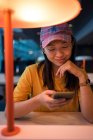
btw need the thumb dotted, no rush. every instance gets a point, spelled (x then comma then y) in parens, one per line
(50, 92)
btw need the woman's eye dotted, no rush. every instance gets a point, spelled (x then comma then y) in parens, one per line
(51, 49)
(65, 47)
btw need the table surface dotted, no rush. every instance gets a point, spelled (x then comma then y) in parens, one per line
(49, 118)
(51, 125)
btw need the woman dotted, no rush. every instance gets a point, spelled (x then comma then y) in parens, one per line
(58, 72)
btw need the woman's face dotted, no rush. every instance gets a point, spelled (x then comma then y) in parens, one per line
(58, 52)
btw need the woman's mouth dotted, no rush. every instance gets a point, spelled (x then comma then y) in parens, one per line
(60, 60)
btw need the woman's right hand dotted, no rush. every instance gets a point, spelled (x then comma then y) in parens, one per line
(52, 104)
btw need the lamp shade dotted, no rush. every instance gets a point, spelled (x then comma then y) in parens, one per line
(39, 13)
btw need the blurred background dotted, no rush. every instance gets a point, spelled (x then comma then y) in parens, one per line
(27, 50)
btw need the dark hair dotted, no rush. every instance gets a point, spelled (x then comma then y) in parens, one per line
(72, 82)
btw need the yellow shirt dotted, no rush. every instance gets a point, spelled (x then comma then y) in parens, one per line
(30, 84)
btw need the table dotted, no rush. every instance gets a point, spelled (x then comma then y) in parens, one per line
(51, 125)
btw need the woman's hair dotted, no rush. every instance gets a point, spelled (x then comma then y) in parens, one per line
(72, 82)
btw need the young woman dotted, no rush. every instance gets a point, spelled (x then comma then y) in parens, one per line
(57, 73)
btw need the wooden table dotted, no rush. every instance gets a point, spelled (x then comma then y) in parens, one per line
(53, 125)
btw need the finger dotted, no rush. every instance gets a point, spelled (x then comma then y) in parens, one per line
(61, 73)
(53, 107)
(58, 71)
(60, 104)
(50, 92)
(64, 103)
(57, 102)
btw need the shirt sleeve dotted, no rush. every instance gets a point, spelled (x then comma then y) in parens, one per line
(24, 86)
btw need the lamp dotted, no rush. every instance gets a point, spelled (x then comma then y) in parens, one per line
(28, 14)
(38, 13)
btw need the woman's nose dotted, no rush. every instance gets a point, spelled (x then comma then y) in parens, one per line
(59, 52)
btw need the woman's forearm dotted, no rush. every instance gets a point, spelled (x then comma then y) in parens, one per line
(24, 107)
(86, 99)
(86, 102)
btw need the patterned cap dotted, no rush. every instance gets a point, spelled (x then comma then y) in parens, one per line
(57, 32)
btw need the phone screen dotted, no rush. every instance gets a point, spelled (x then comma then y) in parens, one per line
(66, 95)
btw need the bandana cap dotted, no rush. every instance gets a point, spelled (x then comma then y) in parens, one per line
(57, 32)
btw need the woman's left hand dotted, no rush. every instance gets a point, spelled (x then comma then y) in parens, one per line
(71, 68)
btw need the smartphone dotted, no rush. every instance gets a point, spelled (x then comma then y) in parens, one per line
(66, 95)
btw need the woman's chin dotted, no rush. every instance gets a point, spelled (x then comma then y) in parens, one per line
(59, 64)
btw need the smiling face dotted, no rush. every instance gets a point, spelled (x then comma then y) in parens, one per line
(58, 52)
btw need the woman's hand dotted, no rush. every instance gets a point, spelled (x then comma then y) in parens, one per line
(52, 104)
(73, 69)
